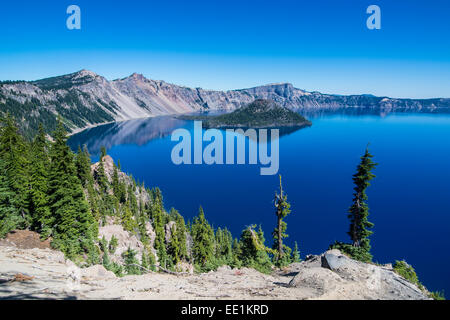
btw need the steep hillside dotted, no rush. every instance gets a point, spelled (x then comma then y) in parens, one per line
(85, 98)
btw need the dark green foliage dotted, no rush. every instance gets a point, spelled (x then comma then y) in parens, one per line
(116, 268)
(358, 213)
(100, 177)
(127, 219)
(258, 114)
(236, 254)
(131, 262)
(92, 251)
(224, 246)
(118, 186)
(357, 253)
(132, 201)
(173, 248)
(76, 107)
(296, 253)
(39, 185)
(437, 295)
(106, 261)
(203, 238)
(148, 261)
(177, 246)
(9, 214)
(252, 252)
(102, 152)
(282, 209)
(14, 152)
(62, 82)
(83, 164)
(104, 247)
(33, 113)
(113, 244)
(159, 220)
(74, 227)
(407, 272)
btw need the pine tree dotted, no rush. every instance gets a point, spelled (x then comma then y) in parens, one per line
(14, 153)
(359, 211)
(203, 238)
(131, 262)
(296, 254)
(9, 213)
(254, 253)
(105, 258)
(128, 221)
(39, 202)
(261, 234)
(236, 254)
(83, 164)
(180, 231)
(224, 243)
(132, 201)
(117, 186)
(173, 247)
(113, 243)
(102, 153)
(100, 174)
(74, 226)
(159, 221)
(282, 210)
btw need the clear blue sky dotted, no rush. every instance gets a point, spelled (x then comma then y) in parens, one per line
(321, 45)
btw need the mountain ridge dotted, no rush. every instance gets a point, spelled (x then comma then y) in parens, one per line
(85, 98)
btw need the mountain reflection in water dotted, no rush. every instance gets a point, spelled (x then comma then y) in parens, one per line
(138, 132)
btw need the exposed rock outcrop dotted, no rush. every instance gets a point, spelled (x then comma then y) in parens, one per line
(125, 240)
(333, 274)
(48, 276)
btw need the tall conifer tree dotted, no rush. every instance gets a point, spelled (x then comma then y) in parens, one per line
(282, 207)
(39, 200)
(203, 238)
(15, 151)
(9, 213)
(74, 227)
(359, 211)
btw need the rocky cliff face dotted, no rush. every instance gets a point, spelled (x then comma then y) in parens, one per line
(85, 98)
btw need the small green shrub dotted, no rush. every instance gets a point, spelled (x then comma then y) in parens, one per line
(357, 253)
(407, 272)
(437, 295)
(113, 243)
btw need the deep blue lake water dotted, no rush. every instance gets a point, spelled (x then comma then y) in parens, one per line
(409, 199)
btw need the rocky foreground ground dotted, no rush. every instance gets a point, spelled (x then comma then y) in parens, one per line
(44, 274)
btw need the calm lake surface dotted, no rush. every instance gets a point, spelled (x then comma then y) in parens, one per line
(409, 199)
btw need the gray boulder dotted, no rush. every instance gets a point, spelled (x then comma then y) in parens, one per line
(333, 275)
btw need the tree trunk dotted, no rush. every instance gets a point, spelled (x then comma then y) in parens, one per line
(280, 241)
(356, 240)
